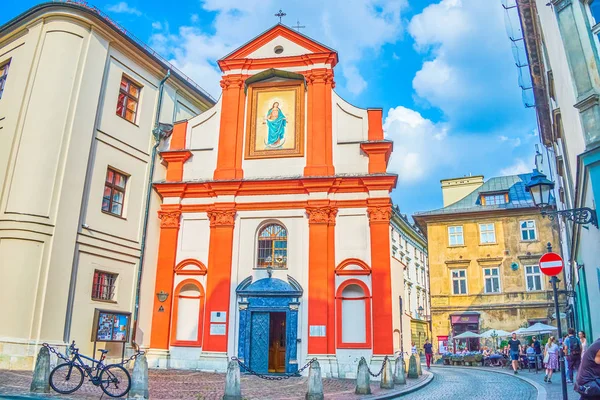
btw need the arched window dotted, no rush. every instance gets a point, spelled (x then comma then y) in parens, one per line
(353, 315)
(188, 311)
(272, 247)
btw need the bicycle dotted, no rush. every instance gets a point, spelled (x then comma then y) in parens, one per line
(113, 379)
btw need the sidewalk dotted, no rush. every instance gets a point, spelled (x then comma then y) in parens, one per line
(546, 391)
(185, 384)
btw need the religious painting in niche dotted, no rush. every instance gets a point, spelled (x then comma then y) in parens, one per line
(275, 120)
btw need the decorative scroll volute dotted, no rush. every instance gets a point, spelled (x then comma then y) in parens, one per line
(379, 213)
(169, 219)
(224, 217)
(321, 215)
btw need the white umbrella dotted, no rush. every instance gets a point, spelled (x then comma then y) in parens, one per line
(494, 332)
(520, 331)
(467, 335)
(538, 327)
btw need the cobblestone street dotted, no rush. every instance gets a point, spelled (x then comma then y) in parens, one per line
(178, 384)
(462, 383)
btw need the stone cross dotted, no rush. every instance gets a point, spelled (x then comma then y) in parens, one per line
(298, 26)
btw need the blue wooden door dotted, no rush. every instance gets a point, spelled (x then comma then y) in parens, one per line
(259, 342)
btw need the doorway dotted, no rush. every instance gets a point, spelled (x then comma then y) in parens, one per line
(277, 342)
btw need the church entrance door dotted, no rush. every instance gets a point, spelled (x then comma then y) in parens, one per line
(277, 345)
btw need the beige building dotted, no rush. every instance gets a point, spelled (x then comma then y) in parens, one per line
(79, 100)
(484, 251)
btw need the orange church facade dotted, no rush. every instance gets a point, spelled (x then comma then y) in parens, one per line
(274, 225)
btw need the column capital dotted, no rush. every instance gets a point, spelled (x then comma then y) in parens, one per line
(319, 75)
(379, 213)
(232, 82)
(221, 217)
(169, 219)
(321, 215)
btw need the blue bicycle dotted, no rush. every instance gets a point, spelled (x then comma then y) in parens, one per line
(68, 377)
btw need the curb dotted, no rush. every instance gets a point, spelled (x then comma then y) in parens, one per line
(542, 394)
(398, 393)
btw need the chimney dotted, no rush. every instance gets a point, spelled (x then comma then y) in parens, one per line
(456, 189)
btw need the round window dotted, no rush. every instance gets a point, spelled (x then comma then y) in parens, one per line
(278, 49)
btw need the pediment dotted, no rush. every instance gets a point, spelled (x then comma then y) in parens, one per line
(292, 44)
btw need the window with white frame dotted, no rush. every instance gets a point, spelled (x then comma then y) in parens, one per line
(594, 12)
(492, 279)
(487, 234)
(494, 199)
(455, 236)
(528, 230)
(533, 278)
(459, 281)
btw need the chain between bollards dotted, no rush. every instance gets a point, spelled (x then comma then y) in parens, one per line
(271, 377)
(385, 361)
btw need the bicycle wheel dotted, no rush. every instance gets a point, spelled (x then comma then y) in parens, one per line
(115, 380)
(66, 378)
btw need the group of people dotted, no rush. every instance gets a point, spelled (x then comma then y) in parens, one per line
(581, 359)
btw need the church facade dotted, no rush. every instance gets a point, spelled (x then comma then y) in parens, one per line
(275, 222)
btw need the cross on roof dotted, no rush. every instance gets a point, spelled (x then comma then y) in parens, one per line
(280, 14)
(298, 26)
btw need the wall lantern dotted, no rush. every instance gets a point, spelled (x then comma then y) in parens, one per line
(162, 296)
(541, 187)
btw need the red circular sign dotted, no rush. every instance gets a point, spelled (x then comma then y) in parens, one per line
(551, 264)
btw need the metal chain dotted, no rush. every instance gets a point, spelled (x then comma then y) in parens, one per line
(58, 354)
(270, 377)
(385, 361)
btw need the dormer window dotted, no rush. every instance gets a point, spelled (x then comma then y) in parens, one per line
(492, 199)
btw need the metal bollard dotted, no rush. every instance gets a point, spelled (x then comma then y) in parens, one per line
(233, 390)
(315, 382)
(363, 379)
(41, 373)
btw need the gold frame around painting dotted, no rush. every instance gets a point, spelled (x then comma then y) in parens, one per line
(254, 151)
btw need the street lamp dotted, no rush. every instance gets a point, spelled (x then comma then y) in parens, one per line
(420, 309)
(541, 187)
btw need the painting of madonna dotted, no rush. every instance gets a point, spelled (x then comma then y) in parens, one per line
(276, 122)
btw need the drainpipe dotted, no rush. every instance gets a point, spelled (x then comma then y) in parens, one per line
(156, 133)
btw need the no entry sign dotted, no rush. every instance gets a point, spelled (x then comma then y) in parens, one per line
(551, 264)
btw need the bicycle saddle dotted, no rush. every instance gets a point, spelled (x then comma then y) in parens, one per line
(103, 351)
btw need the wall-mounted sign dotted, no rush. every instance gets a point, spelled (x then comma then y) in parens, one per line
(317, 330)
(218, 316)
(110, 326)
(217, 329)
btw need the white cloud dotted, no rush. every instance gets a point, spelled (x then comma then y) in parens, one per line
(156, 25)
(355, 29)
(470, 73)
(194, 18)
(418, 144)
(124, 8)
(518, 167)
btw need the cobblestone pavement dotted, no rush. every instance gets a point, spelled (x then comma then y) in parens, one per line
(553, 390)
(179, 384)
(462, 383)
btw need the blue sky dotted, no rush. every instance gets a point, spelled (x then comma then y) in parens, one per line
(441, 69)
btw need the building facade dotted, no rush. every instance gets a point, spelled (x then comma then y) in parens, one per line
(483, 258)
(79, 101)
(275, 223)
(562, 48)
(409, 249)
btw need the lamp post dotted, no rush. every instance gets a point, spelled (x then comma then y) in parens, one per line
(541, 187)
(561, 355)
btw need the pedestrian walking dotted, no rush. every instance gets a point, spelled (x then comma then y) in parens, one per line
(428, 347)
(572, 348)
(515, 347)
(550, 358)
(588, 377)
(583, 340)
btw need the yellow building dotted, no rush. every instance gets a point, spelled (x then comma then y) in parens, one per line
(484, 247)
